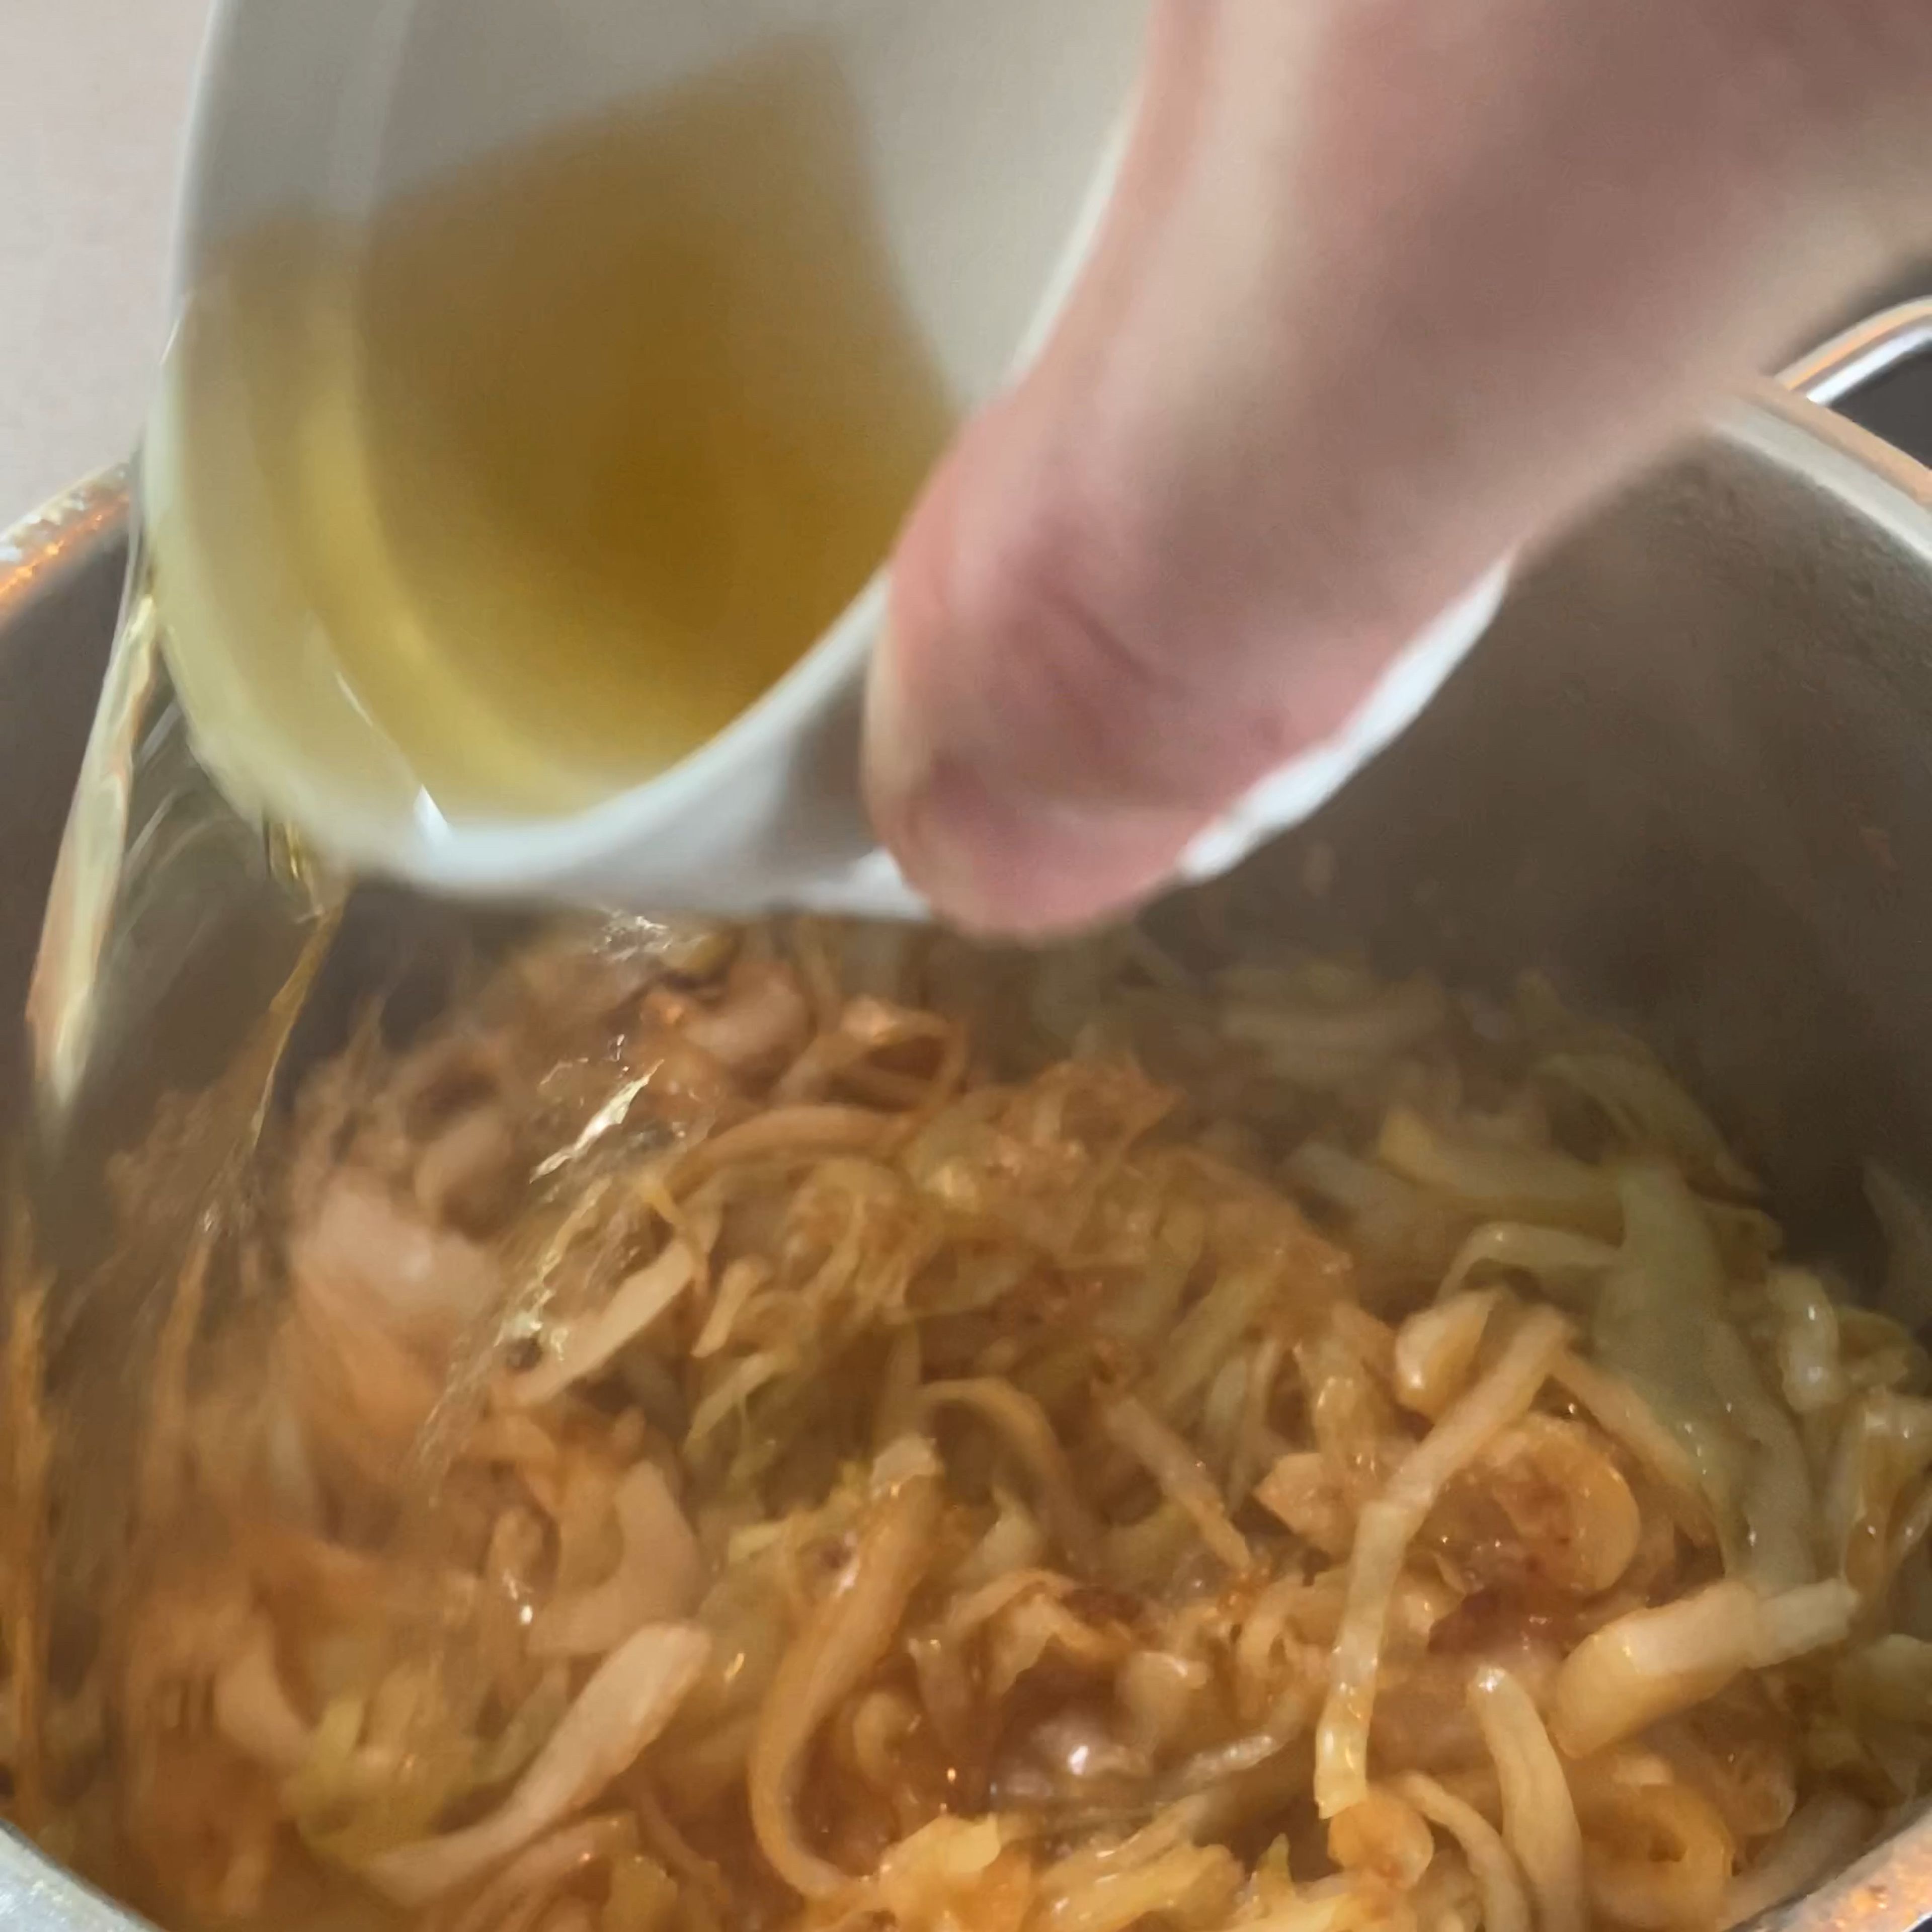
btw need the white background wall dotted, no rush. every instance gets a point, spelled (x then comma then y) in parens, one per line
(93, 95)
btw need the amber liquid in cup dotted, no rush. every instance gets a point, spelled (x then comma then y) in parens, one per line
(515, 496)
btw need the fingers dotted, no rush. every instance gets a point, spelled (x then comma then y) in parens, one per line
(1387, 291)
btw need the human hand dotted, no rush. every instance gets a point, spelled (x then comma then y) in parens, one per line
(1389, 289)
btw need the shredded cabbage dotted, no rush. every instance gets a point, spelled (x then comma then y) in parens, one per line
(813, 1428)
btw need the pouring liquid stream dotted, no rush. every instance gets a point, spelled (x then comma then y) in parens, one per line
(502, 501)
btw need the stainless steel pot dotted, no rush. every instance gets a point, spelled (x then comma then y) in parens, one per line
(1689, 775)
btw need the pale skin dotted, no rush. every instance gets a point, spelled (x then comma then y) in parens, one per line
(1390, 288)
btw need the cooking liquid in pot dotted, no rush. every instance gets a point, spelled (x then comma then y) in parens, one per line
(514, 497)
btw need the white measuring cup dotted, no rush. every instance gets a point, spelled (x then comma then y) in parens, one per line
(991, 130)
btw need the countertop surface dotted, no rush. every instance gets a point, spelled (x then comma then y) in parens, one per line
(93, 104)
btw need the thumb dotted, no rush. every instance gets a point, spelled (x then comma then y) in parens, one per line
(1385, 291)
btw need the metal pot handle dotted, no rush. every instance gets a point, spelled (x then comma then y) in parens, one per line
(1863, 353)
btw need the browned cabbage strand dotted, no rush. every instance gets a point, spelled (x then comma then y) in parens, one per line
(811, 1427)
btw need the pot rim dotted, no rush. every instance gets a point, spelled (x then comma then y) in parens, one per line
(61, 536)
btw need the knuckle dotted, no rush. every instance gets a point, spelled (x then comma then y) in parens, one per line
(1057, 606)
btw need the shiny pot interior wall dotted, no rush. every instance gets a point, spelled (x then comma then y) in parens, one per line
(60, 587)
(1689, 775)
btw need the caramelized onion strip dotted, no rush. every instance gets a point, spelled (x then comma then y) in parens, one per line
(629, 1700)
(1539, 1818)
(1498, 1875)
(845, 1637)
(1025, 1428)
(1383, 1534)
(640, 1299)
